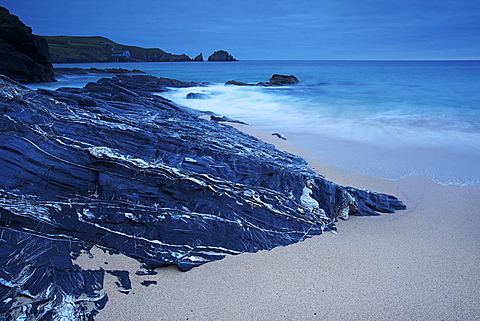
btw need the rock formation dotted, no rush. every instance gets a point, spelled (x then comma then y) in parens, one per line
(116, 166)
(93, 70)
(275, 80)
(240, 83)
(199, 57)
(23, 56)
(221, 55)
(280, 80)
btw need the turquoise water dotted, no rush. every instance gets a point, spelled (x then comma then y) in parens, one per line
(386, 119)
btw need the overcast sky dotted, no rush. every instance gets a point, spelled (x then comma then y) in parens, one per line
(264, 29)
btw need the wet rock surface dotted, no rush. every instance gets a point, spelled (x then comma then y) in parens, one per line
(116, 166)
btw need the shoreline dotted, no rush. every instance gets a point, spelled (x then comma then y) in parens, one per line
(420, 263)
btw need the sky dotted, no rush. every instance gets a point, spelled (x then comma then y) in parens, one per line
(264, 29)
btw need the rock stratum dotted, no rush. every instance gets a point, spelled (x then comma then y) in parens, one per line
(24, 57)
(116, 166)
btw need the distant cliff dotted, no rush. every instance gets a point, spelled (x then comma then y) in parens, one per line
(23, 56)
(70, 49)
(101, 49)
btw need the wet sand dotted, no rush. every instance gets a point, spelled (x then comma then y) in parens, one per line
(417, 264)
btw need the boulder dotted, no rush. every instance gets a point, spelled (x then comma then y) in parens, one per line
(280, 80)
(221, 55)
(23, 56)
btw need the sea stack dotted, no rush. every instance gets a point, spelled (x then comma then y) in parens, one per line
(221, 55)
(23, 56)
(199, 57)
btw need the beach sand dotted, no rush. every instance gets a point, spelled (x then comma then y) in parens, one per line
(422, 263)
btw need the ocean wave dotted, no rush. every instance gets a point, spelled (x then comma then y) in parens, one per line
(426, 143)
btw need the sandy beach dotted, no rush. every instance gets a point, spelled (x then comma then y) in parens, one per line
(417, 264)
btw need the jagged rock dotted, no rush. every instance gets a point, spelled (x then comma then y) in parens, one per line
(221, 55)
(199, 57)
(133, 173)
(280, 80)
(10, 89)
(23, 56)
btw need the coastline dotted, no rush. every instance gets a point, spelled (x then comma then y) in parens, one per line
(99, 163)
(420, 263)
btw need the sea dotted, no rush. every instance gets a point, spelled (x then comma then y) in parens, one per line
(388, 119)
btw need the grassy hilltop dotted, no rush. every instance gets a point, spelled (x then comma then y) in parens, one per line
(72, 49)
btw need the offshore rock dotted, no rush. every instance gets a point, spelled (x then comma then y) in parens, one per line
(23, 56)
(199, 57)
(280, 80)
(275, 80)
(116, 166)
(221, 55)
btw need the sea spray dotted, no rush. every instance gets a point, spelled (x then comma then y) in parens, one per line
(394, 119)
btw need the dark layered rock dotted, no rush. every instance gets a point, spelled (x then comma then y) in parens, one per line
(199, 57)
(221, 55)
(116, 166)
(23, 56)
(138, 83)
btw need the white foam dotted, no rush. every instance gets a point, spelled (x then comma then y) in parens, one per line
(388, 141)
